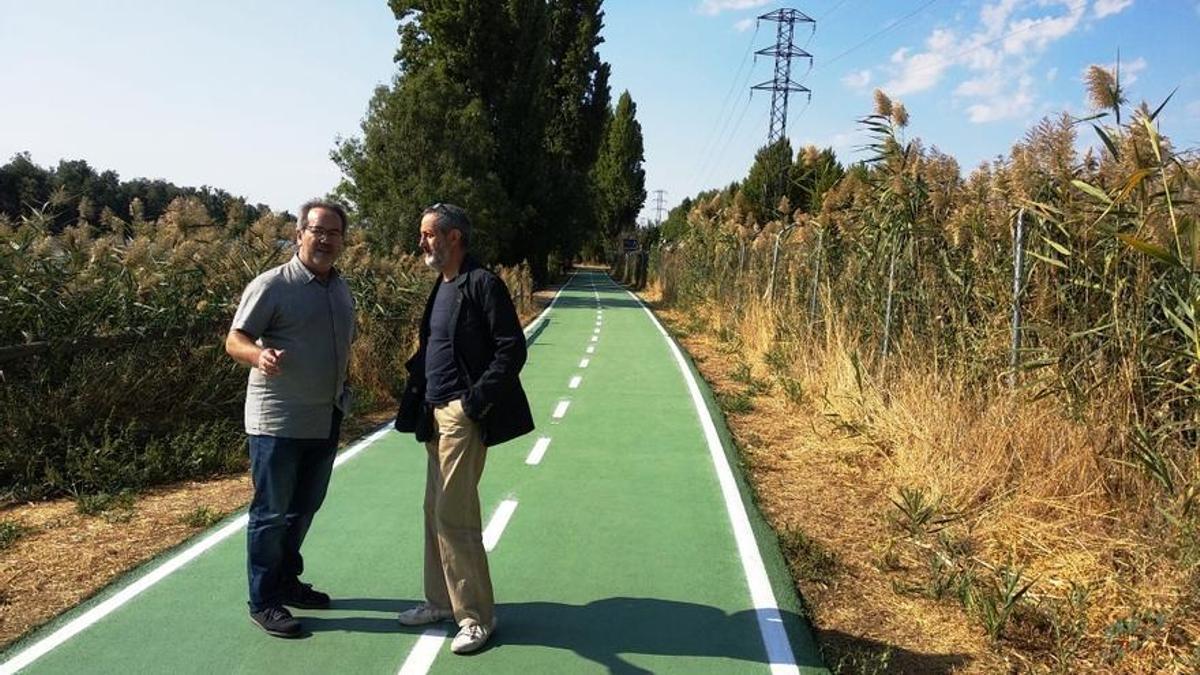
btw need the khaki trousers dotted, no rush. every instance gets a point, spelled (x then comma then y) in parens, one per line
(456, 566)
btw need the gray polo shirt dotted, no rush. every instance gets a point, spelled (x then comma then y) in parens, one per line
(288, 308)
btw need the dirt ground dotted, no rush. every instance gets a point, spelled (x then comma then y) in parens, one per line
(809, 478)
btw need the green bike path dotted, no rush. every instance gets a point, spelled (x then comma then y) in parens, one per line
(620, 541)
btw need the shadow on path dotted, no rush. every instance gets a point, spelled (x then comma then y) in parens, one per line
(587, 301)
(604, 630)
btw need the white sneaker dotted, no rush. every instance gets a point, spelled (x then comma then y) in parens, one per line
(471, 637)
(424, 613)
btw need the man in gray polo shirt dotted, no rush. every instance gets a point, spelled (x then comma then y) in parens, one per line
(293, 328)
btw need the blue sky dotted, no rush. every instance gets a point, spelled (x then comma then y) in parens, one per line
(249, 97)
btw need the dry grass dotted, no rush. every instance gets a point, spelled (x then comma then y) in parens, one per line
(1023, 487)
(68, 556)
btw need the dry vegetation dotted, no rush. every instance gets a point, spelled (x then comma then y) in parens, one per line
(117, 393)
(1009, 484)
(948, 503)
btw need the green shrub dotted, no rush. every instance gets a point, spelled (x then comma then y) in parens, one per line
(10, 532)
(201, 517)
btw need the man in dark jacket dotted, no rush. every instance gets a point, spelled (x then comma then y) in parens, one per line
(463, 395)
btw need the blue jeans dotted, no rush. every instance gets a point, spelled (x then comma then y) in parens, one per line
(291, 476)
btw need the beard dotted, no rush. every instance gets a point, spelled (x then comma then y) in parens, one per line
(435, 258)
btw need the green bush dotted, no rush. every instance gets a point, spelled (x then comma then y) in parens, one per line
(10, 532)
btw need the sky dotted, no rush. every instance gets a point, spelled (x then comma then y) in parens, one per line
(251, 97)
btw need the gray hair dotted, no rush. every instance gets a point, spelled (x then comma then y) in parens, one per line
(302, 219)
(450, 217)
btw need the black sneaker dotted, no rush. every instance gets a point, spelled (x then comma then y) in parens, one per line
(276, 621)
(303, 596)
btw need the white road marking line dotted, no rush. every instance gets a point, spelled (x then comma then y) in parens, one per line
(583, 363)
(495, 526)
(542, 316)
(591, 349)
(770, 622)
(596, 331)
(361, 445)
(421, 658)
(539, 451)
(87, 619)
(595, 338)
(574, 383)
(95, 614)
(561, 409)
(429, 645)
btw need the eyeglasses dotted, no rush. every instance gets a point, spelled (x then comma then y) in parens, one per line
(320, 233)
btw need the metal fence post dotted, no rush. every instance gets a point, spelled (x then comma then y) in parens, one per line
(1018, 289)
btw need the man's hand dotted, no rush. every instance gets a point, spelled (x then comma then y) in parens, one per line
(268, 362)
(244, 350)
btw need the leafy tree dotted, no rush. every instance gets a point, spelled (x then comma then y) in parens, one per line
(23, 185)
(74, 192)
(619, 179)
(423, 141)
(675, 226)
(770, 178)
(579, 99)
(498, 105)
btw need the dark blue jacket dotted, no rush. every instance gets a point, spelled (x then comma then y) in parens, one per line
(489, 349)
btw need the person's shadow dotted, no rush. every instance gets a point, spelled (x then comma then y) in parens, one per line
(382, 620)
(603, 631)
(600, 631)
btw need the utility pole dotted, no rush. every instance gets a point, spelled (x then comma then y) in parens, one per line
(658, 204)
(781, 84)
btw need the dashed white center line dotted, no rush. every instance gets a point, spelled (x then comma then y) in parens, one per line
(595, 338)
(421, 658)
(495, 527)
(539, 451)
(574, 384)
(596, 331)
(584, 362)
(591, 349)
(425, 652)
(561, 409)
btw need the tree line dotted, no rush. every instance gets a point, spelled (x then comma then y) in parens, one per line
(73, 192)
(503, 107)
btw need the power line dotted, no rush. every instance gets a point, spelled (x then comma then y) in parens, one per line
(723, 119)
(831, 10)
(708, 167)
(733, 134)
(883, 30)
